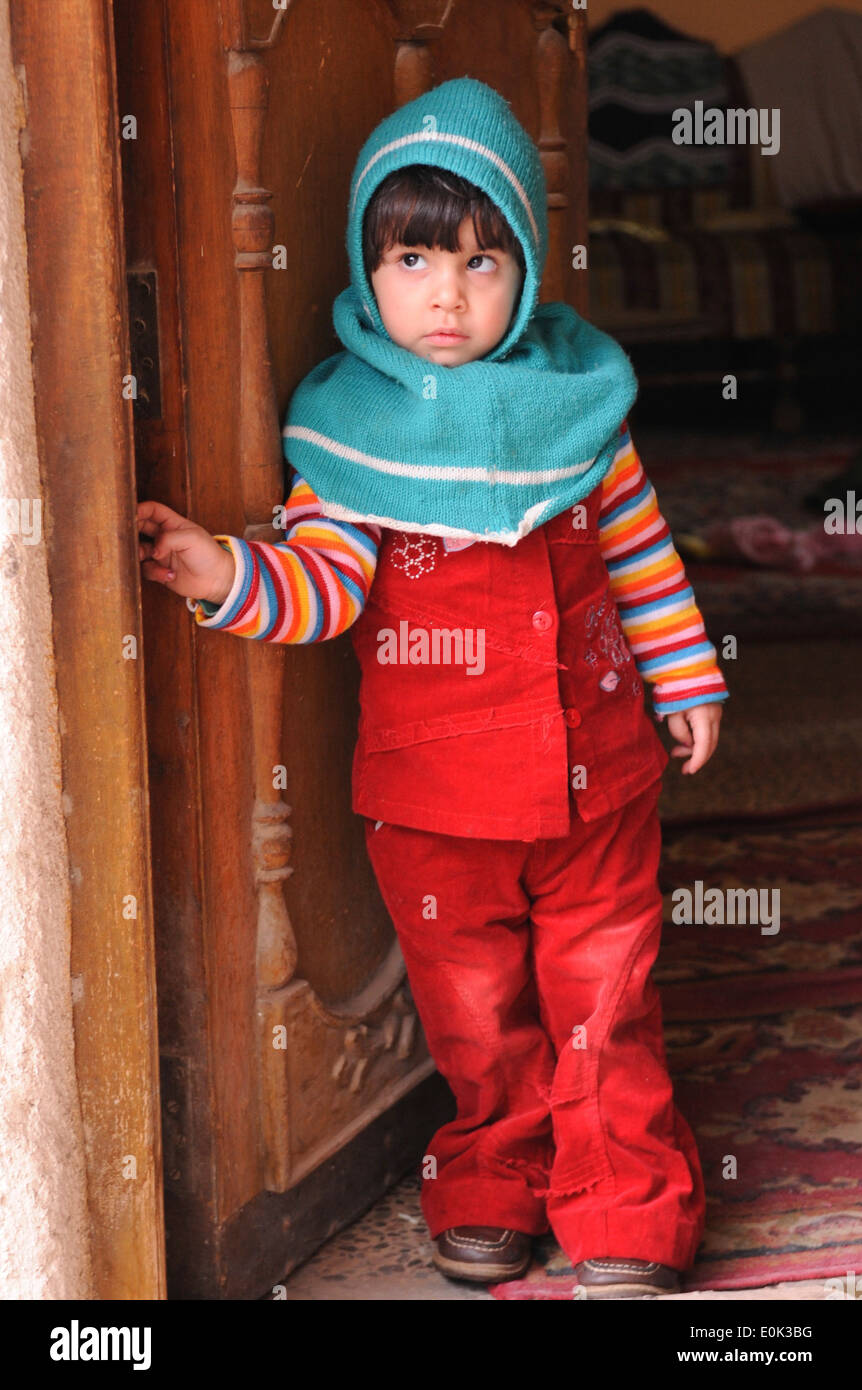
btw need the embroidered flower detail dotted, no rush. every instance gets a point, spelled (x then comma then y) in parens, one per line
(609, 681)
(593, 615)
(603, 624)
(415, 555)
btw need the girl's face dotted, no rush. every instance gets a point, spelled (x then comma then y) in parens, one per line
(422, 291)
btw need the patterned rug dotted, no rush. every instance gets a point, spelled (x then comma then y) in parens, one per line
(764, 1044)
(699, 479)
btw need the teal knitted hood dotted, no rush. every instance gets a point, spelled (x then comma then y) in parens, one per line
(488, 449)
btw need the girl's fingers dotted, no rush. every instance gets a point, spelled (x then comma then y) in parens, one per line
(153, 513)
(704, 746)
(160, 573)
(697, 739)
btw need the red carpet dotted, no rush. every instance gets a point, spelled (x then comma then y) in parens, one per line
(764, 1040)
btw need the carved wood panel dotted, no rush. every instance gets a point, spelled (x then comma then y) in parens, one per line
(310, 1044)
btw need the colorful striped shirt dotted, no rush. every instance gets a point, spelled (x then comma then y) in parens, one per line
(656, 604)
(306, 588)
(313, 584)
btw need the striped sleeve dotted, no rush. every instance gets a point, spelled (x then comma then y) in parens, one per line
(308, 587)
(656, 604)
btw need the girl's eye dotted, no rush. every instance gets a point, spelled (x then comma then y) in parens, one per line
(409, 258)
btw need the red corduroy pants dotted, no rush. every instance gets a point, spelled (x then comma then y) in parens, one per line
(529, 963)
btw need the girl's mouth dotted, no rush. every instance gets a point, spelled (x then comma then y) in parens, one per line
(444, 336)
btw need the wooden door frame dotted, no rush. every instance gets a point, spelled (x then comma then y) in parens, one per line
(70, 143)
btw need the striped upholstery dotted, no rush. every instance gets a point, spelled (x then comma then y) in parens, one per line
(640, 72)
(715, 260)
(753, 283)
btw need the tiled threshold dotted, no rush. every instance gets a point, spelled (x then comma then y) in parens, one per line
(386, 1256)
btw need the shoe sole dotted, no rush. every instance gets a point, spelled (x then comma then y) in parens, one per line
(625, 1290)
(478, 1274)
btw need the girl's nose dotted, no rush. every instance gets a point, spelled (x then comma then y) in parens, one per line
(448, 292)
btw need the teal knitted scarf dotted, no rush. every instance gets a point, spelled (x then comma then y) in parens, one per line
(492, 448)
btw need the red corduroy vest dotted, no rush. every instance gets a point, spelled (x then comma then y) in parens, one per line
(553, 721)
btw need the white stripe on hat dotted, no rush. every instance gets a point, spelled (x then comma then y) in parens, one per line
(468, 144)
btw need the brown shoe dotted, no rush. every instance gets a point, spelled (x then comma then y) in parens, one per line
(482, 1254)
(620, 1278)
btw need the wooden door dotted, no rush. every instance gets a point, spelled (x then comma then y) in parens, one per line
(296, 1083)
(68, 138)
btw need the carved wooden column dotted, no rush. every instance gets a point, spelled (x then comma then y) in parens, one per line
(261, 477)
(551, 63)
(417, 24)
(370, 1051)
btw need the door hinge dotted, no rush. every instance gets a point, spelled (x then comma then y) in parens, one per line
(144, 344)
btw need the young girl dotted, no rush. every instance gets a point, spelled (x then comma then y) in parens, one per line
(469, 453)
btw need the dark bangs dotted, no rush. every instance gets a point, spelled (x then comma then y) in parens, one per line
(424, 206)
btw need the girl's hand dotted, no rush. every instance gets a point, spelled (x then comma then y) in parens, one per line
(696, 730)
(182, 555)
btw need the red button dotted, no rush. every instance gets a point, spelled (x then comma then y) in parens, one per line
(572, 717)
(542, 621)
